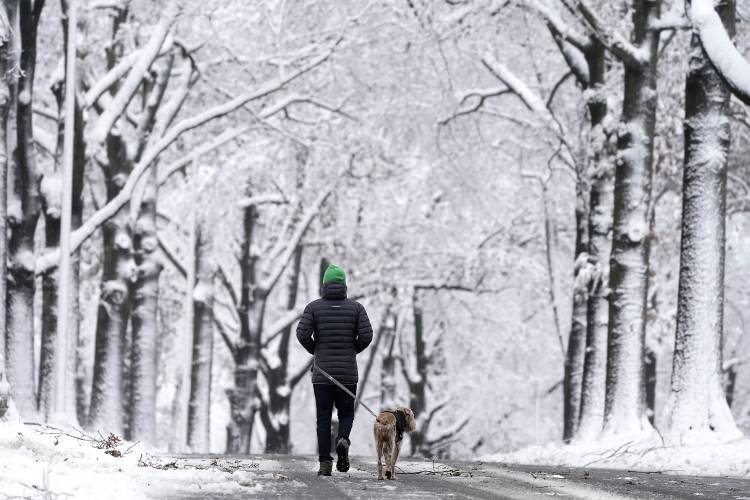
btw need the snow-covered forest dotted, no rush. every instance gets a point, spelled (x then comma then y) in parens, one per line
(543, 205)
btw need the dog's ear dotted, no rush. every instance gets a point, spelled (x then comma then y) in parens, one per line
(411, 421)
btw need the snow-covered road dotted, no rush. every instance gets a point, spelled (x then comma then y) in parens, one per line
(294, 477)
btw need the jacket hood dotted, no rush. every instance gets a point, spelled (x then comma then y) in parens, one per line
(333, 291)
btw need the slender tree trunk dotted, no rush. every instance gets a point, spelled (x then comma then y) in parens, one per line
(599, 226)
(386, 330)
(573, 376)
(199, 408)
(418, 384)
(247, 353)
(143, 354)
(697, 410)
(276, 416)
(625, 413)
(7, 102)
(23, 215)
(52, 199)
(388, 369)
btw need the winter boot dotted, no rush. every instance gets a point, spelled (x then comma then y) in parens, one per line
(342, 450)
(326, 466)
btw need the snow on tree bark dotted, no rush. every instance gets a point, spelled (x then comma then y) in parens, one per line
(51, 190)
(143, 353)
(697, 410)
(23, 214)
(107, 392)
(574, 355)
(7, 102)
(199, 406)
(275, 412)
(599, 226)
(242, 402)
(625, 406)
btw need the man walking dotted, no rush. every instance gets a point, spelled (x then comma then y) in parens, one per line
(334, 330)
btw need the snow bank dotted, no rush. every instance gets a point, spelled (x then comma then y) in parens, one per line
(729, 459)
(46, 462)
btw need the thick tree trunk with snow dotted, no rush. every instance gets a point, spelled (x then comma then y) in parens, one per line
(143, 353)
(574, 355)
(697, 410)
(107, 392)
(599, 227)
(23, 214)
(625, 402)
(199, 407)
(275, 416)
(247, 353)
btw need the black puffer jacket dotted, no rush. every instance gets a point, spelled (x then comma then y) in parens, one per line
(335, 329)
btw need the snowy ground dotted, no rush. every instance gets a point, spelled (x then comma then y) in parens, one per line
(48, 463)
(39, 462)
(730, 459)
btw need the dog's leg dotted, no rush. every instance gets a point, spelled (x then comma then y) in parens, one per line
(396, 452)
(391, 465)
(379, 449)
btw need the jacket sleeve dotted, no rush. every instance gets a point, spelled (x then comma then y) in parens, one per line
(305, 330)
(364, 330)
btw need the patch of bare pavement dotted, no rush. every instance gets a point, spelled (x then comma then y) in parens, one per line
(294, 477)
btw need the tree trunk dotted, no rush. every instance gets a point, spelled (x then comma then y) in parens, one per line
(107, 392)
(52, 204)
(247, 353)
(697, 410)
(143, 354)
(7, 102)
(418, 383)
(388, 369)
(23, 215)
(199, 407)
(600, 224)
(573, 376)
(624, 414)
(276, 416)
(386, 330)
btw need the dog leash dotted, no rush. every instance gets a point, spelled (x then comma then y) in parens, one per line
(342, 387)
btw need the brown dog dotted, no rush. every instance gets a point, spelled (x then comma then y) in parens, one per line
(389, 430)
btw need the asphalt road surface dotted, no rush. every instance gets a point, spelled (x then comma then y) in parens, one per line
(295, 477)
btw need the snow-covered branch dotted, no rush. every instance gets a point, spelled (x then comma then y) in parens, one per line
(556, 23)
(294, 379)
(291, 244)
(225, 336)
(127, 90)
(450, 432)
(167, 171)
(50, 259)
(717, 45)
(119, 70)
(614, 41)
(262, 199)
(277, 327)
(224, 278)
(479, 96)
(171, 256)
(530, 98)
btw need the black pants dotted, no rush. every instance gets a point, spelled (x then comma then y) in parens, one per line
(325, 397)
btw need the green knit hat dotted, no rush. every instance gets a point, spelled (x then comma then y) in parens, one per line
(334, 274)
